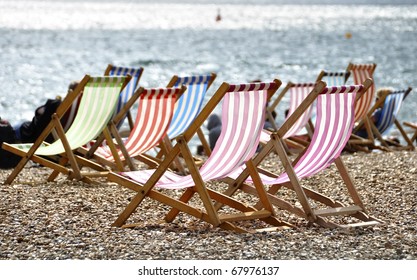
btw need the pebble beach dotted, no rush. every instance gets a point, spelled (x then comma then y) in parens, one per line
(65, 219)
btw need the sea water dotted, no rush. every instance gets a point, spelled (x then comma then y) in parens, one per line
(44, 45)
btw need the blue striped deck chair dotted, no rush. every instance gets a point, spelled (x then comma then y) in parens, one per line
(190, 104)
(128, 91)
(99, 99)
(388, 106)
(187, 109)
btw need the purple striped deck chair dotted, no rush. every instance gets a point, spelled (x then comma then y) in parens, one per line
(387, 107)
(243, 116)
(334, 123)
(96, 109)
(127, 93)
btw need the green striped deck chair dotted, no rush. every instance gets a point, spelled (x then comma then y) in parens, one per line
(99, 99)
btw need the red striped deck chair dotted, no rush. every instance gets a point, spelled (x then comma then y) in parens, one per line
(155, 107)
(334, 123)
(100, 96)
(359, 73)
(243, 116)
(297, 93)
(387, 107)
(127, 93)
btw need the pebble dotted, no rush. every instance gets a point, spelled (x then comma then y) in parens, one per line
(72, 220)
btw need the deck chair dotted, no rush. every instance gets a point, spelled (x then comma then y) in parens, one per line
(334, 79)
(155, 107)
(243, 115)
(359, 73)
(388, 105)
(334, 123)
(97, 105)
(297, 93)
(188, 107)
(127, 93)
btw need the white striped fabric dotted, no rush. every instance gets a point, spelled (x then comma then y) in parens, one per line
(189, 104)
(297, 94)
(334, 123)
(390, 109)
(155, 109)
(99, 101)
(360, 73)
(335, 79)
(243, 117)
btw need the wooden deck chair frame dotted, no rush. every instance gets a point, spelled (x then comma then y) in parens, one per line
(128, 91)
(205, 194)
(92, 111)
(147, 131)
(359, 73)
(392, 109)
(296, 90)
(303, 194)
(413, 130)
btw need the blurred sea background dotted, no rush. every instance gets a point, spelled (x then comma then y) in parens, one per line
(44, 45)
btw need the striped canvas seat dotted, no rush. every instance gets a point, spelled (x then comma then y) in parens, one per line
(334, 123)
(334, 79)
(127, 93)
(243, 116)
(237, 142)
(390, 110)
(389, 105)
(190, 103)
(155, 110)
(297, 93)
(359, 73)
(335, 119)
(100, 96)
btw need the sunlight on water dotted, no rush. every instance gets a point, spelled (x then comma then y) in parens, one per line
(47, 44)
(128, 15)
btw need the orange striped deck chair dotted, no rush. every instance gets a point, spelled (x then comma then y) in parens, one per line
(97, 106)
(155, 107)
(359, 73)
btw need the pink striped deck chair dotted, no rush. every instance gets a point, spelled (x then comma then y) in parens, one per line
(359, 73)
(297, 92)
(155, 107)
(334, 123)
(243, 116)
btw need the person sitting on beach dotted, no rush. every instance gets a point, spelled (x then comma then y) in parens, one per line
(29, 131)
(376, 115)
